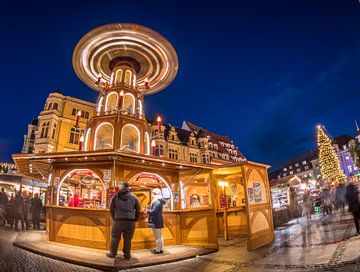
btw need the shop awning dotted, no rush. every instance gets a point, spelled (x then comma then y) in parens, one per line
(16, 179)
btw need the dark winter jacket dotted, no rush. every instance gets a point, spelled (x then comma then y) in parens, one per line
(36, 205)
(156, 220)
(352, 197)
(3, 199)
(124, 206)
(340, 193)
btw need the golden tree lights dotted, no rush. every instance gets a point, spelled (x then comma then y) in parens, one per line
(329, 161)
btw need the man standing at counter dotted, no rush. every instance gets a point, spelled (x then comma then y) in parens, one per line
(124, 210)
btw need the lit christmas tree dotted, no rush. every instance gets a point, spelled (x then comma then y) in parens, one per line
(329, 161)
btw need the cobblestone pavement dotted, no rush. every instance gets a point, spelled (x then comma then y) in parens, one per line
(15, 259)
(324, 243)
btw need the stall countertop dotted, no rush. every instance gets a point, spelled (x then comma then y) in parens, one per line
(232, 209)
(76, 208)
(107, 210)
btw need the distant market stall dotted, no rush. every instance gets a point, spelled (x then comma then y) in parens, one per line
(13, 183)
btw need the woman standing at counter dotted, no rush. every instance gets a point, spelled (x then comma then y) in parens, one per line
(156, 221)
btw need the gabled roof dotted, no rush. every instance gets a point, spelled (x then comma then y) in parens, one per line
(213, 137)
(342, 140)
(182, 133)
(193, 127)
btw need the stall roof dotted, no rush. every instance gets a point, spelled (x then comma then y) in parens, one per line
(38, 166)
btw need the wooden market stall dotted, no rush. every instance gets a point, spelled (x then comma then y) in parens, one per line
(195, 213)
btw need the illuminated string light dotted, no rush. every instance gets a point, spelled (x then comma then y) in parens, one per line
(329, 162)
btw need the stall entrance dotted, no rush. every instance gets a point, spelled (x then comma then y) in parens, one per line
(81, 188)
(143, 184)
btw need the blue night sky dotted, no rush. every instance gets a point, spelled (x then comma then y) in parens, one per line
(262, 72)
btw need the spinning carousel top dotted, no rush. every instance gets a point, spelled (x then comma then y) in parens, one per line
(101, 50)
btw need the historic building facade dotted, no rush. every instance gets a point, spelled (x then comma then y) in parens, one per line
(29, 137)
(54, 130)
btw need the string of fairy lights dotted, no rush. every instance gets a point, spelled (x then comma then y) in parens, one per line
(329, 162)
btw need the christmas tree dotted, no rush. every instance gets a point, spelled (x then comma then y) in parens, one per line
(329, 161)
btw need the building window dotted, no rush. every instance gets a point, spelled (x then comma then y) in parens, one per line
(205, 158)
(291, 172)
(74, 112)
(130, 138)
(129, 103)
(127, 79)
(173, 154)
(159, 150)
(53, 131)
(304, 162)
(306, 167)
(49, 106)
(349, 168)
(193, 157)
(55, 107)
(310, 174)
(285, 169)
(344, 146)
(75, 135)
(298, 170)
(290, 167)
(45, 130)
(297, 164)
(347, 157)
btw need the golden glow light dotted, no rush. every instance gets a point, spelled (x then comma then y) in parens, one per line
(223, 184)
(153, 144)
(329, 162)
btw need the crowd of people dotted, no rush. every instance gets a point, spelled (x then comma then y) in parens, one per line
(333, 198)
(20, 209)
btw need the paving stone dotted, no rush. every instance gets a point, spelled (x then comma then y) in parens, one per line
(13, 259)
(324, 243)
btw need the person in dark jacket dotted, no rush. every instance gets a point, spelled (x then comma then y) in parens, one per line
(3, 205)
(10, 211)
(36, 206)
(124, 210)
(156, 221)
(26, 211)
(18, 208)
(340, 197)
(352, 197)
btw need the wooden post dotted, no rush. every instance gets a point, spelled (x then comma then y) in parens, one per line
(225, 226)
